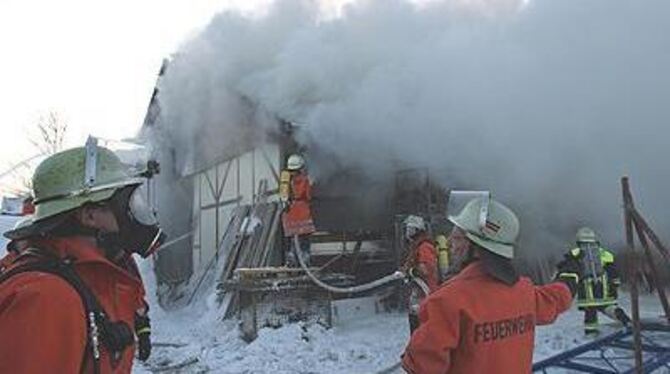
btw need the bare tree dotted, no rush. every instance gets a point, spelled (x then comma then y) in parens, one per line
(48, 137)
(51, 130)
(17, 180)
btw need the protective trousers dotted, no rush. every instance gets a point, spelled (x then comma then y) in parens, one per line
(591, 324)
(305, 252)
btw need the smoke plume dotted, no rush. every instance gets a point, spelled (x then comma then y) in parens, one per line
(545, 103)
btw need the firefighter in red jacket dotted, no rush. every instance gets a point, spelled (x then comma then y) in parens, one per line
(296, 194)
(420, 264)
(482, 320)
(73, 301)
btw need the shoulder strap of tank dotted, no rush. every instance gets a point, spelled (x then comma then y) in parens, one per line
(44, 262)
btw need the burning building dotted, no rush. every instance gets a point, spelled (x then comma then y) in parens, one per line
(218, 198)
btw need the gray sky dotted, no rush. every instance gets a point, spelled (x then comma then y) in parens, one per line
(95, 62)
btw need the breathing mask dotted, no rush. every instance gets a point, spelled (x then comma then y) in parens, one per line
(138, 226)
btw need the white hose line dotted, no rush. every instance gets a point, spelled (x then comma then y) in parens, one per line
(176, 240)
(398, 275)
(422, 285)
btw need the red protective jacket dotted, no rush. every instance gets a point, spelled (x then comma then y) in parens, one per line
(297, 219)
(426, 254)
(42, 322)
(477, 324)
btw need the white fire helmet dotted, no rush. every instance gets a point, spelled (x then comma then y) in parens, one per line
(586, 235)
(413, 225)
(295, 162)
(493, 226)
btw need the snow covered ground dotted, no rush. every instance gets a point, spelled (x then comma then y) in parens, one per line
(367, 345)
(360, 342)
(363, 343)
(362, 346)
(567, 331)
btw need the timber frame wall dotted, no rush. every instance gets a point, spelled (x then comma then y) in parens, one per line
(220, 189)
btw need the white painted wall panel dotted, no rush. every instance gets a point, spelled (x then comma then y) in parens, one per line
(208, 239)
(208, 180)
(225, 213)
(244, 175)
(269, 171)
(247, 178)
(196, 212)
(230, 188)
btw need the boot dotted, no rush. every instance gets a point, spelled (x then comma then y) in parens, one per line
(622, 317)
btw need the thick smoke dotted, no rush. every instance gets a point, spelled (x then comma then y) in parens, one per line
(546, 104)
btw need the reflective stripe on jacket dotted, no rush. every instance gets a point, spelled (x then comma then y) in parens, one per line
(601, 291)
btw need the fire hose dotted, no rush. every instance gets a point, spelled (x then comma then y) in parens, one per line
(397, 275)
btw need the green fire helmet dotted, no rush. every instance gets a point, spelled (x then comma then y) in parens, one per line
(490, 224)
(23, 222)
(69, 179)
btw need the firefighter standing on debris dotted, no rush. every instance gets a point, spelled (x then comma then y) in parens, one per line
(73, 301)
(420, 264)
(598, 288)
(296, 194)
(482, 320)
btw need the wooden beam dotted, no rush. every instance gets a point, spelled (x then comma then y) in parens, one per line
(275, 173)
(652, 265)
(222, 203)
(632, 271)
(219, 190)
(651, 234)
(211, 186)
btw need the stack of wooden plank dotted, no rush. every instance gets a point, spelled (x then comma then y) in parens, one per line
(202, 283)
(254, 240)
(254, 244)
(274, 296)
(230, 244)
(261, 239)
(277, 278)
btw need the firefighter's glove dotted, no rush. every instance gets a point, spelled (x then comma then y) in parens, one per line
(569, 272)
(116, 336)
(143, 332)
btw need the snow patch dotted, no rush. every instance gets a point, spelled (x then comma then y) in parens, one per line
(365, 343)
